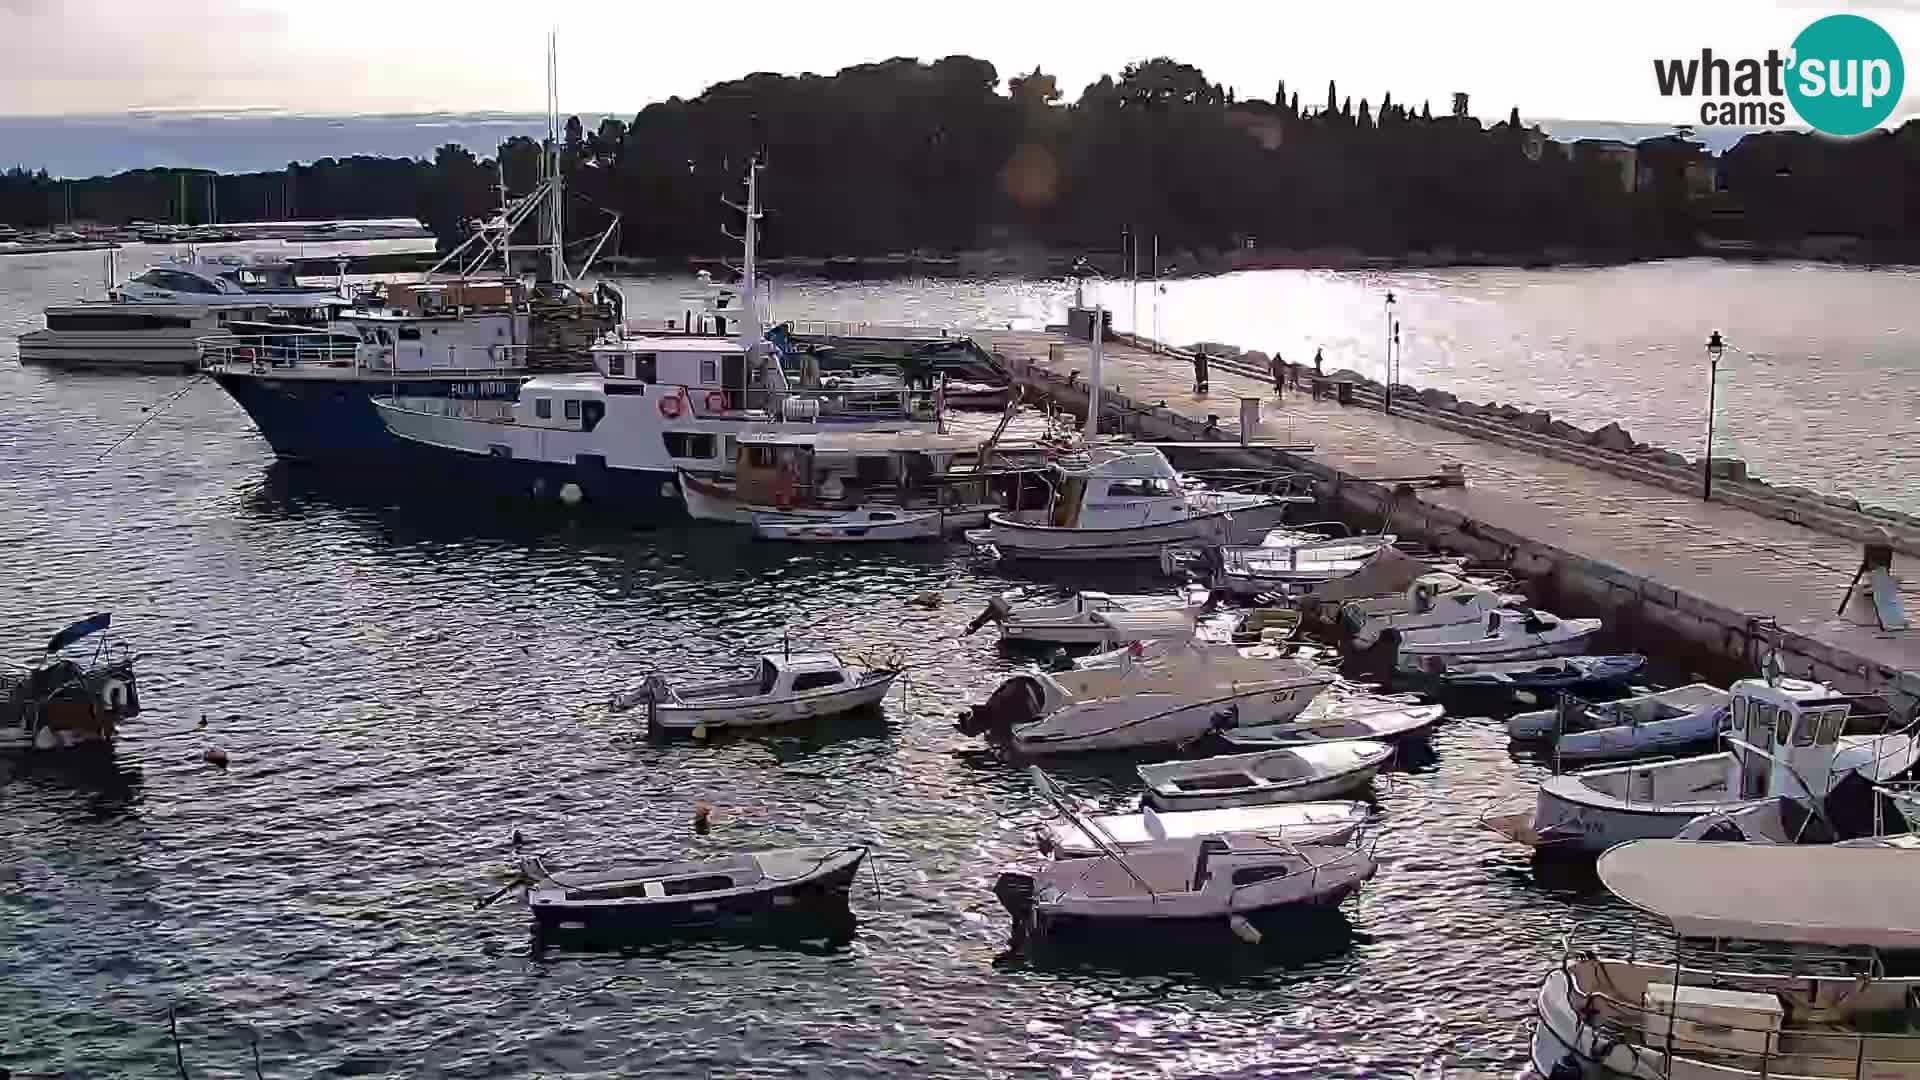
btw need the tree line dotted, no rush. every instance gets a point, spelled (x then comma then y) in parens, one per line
(902, 156)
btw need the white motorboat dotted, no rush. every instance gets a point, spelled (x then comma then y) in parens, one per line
(1082, 619)
(1281, 823)
(1787, 743)
(1127, 502)
(1133, 705)
(1432, 602)
(1294, 774)
(1341, 720)
(1631, 727)
(868, 525)
(1223, 878)
(787, 687)
(1504, 635)
(1774, 966)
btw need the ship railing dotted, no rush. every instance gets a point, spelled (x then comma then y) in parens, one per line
(828, 329)
(496, 361)
(808, 403)
(275, 350)
(265, 352)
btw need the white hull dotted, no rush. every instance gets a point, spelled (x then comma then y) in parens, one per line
(758, 713)
(1285, 823)
(840, 530)
(1149, 718)
(707, 501)
(1339, 726)
(1021, 540)
(1570, 638)
(1333, 770)
(167, 350)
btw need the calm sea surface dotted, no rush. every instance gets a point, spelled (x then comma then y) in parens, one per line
(400, 686)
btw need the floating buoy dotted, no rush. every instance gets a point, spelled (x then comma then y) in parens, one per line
(700, 731)
(1244, 930)
(702, 818)
(215, 756)
(570, 493)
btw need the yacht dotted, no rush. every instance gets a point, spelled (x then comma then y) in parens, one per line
(159, 317)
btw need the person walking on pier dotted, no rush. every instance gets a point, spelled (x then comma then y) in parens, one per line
(1200, 372)
(1279, 374)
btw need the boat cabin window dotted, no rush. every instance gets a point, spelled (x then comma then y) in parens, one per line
(114, 320)
(616, 364)
(646, 367)
(1827, 725)
(1784, 727)
(408, 333)
(814, 680)
(1493, 624)
(543, 408)
(591, 413)
(686, 444)
(687, 885)
(1251, 874)
(177, 281)
(760, 457)
(769, 675)
(571, 408)
(709, 373)
(1140, 487)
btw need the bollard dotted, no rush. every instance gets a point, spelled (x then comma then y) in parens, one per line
(1249, 418)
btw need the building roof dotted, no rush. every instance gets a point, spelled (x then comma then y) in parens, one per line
(1806, 895)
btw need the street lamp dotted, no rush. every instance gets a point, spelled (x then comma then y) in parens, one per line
(1390, 337)
(1715, 347)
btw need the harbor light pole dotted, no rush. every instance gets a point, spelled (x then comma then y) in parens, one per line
(1390, 337)
(1715, 347)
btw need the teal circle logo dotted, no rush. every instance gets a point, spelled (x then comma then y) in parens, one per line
(1847, 75)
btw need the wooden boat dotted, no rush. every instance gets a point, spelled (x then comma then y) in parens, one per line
(1281, 823)
(1507, 634)
(786, 687)
(1296, 774)
(1773, 962)
(866, 525)
(59, 703)
(1555, 673)
(1383, 720)
(827, 475)
(731, 890)
(1133, 705)
(1787, 743)
(1631, 727)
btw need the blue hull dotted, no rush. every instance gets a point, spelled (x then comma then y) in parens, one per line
(333, 421)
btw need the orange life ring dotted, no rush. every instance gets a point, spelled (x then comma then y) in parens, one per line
(716, 401)
(670, 406)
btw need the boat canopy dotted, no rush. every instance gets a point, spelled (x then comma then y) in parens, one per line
(1798, 894)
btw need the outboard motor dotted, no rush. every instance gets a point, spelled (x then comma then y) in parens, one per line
(1017, 701)
(997, 611)
(1014, 888)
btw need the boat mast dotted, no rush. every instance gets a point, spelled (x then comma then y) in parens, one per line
(1096, 353)
(556, 210)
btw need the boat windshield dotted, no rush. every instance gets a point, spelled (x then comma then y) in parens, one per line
(769, 675)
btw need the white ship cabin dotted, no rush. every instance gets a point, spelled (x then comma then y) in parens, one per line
(851, 468)
(453, 325)
(1782, 732)
(1112, 487)
(716, 377)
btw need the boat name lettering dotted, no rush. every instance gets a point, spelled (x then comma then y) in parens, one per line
(483, 391)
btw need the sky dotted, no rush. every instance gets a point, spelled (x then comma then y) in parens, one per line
(1550, 59)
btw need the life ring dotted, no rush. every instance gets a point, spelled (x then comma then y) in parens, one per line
(670, 406)
(244, 354)
(716, 401)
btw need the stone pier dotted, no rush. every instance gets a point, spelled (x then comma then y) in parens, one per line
(1674, 574)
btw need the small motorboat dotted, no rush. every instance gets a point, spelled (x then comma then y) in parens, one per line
(1631, 727)
(865, 525)
(1282, 823)
(787, 687)
(1171, 881)
(1294, 774)
(57, 703)
(1786, 742)
(1131, 705)
(733, 890)
(1431, 602)
(1506, 634)
(1556, 673)
(1084, 618)
(1380, 719)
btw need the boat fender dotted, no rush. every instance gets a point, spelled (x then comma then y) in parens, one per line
(215, 756)
(1244, 930)
(670, 406)
(716, 401)
(997, 611)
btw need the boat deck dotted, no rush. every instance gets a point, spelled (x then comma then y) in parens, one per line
(1723, 555)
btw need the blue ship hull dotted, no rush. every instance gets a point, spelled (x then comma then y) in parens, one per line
(646, 496)
(333, 421)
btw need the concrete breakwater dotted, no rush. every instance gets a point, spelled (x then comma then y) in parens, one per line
(1592, 534)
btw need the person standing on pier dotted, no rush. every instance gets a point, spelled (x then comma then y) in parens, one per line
(1279, 374)
(1200, 372)
(1316, 363)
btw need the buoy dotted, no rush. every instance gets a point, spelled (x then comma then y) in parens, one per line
(1244, 930)
(702, 818)
(570, 493)
(699, 731)
(215, 756)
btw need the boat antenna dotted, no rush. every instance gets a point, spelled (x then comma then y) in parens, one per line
(1096, 357)
(556, 182)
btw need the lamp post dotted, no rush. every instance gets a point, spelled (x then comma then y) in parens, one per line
(1390, 337)
(1715, 347)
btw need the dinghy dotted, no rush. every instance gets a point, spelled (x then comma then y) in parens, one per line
(866, 525)
(787, 687)
(1378, 719)
(1281, 823)
(1083, 619)
(1787, 743)
(1132, 705)
(1507, 634)
(1632, 727)
(1295, 774)
(1171, 882)
(729, 891)
(1558, 673)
